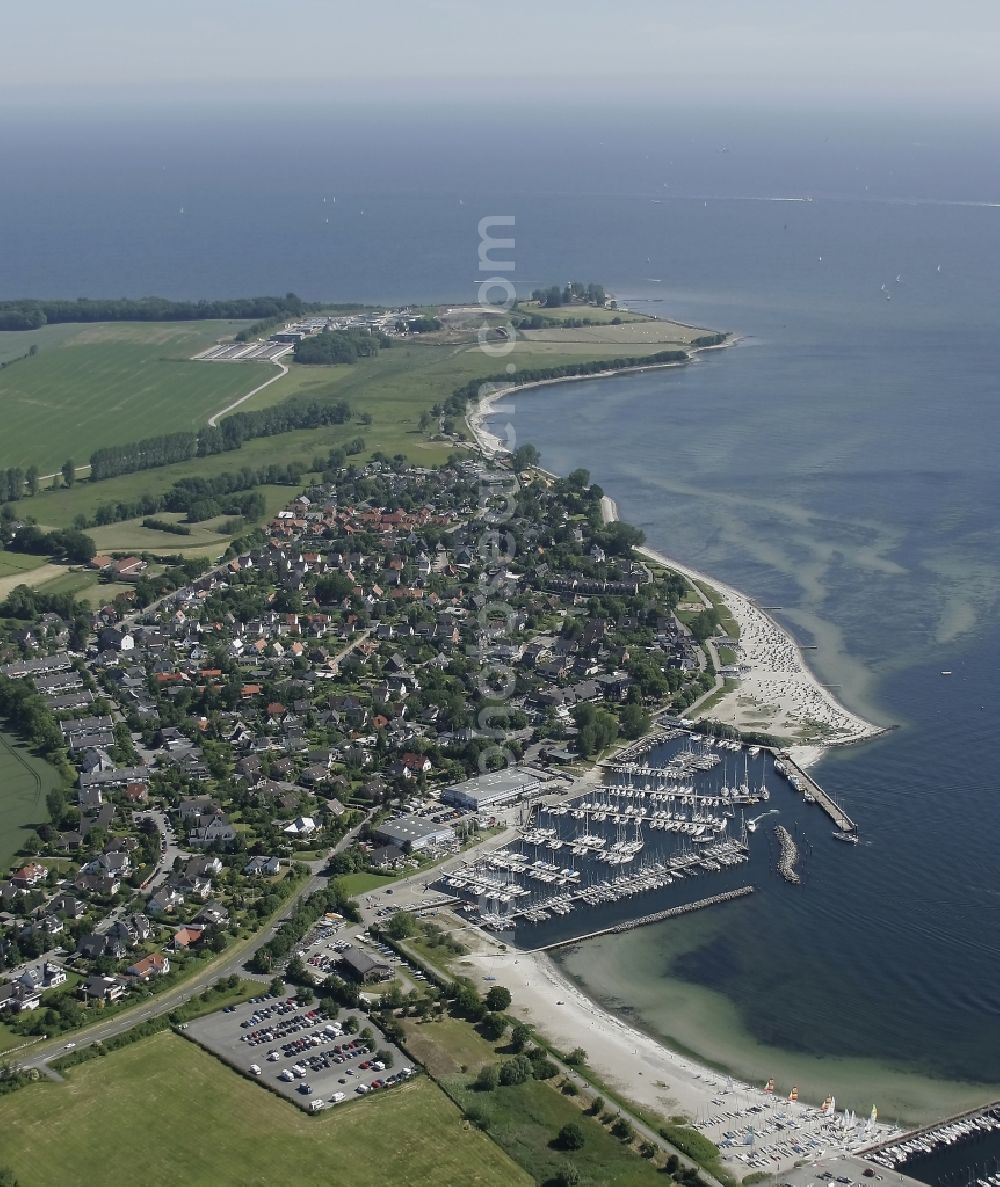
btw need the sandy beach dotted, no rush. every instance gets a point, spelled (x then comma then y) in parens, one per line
(643, 1069)
(779, 693)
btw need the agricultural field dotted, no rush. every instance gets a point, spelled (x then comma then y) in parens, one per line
(24, 783)
(114, 382)
(403, 381)
(184, 1118)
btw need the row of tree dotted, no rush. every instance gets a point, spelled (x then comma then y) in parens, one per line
(16, 482)
(62, 543)
(188, 493)
(113, 460)
(28, 314)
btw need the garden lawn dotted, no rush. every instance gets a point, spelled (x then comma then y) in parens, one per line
(166, 1112)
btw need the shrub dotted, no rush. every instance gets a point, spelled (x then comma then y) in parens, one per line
(571, 1137)
(488, 1078)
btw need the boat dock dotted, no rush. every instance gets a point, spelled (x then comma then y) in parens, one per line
(916, 1143)
(654, 917)
(811, 790)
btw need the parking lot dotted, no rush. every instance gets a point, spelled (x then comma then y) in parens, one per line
(297, 1050)
(241, 352)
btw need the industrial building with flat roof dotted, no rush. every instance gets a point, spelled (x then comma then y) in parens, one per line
(416, 832)
(488, 791)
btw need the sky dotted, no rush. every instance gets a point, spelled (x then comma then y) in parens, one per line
(833, 53)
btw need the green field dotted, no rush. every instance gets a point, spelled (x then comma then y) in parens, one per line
(603, 316)
(14, 563)
(403, 381)
(355, 884)
(24, 783)
(109, 383)
(85, 585)
(164, 1112)
(525, 1119)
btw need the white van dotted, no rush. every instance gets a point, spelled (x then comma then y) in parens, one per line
(315, 1106)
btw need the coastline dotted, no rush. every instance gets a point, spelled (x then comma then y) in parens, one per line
(629, 1059)
(491, 445)
(780, 694)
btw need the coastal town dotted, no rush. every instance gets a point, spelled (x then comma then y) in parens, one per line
(244, 738)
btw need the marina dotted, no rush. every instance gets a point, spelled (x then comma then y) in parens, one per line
(672, 810)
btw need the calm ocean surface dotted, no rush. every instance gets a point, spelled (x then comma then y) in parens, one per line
(840, 462)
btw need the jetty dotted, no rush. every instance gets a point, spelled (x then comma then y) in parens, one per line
(654, 917)
(788, 855)
(811, 791)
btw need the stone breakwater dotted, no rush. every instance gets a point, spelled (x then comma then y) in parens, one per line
(788, 855)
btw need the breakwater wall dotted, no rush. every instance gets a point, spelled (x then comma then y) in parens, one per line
(654, 917)
(811, 789)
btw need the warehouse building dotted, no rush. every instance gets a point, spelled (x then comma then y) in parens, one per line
(414, 833)
(493, 789)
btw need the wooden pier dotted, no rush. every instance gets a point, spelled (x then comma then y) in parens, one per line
(655, 917)
(811, 787)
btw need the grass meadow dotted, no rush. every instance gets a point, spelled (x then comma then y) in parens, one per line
(24, 783)
(164, 1111)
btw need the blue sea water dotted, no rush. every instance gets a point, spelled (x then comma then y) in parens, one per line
(840, 462)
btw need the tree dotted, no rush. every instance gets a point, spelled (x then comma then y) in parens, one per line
(469, 1003)
(519, 1036)
(493, 1027)
(515, 1071)
(579, 479)
(568, 1176)
(596, 1106)
(32, 477)
(524, 456)
(69, 472)
(571, 1136)
(400, 926)
(576, 1057)
(634, 720)
(498, 998)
